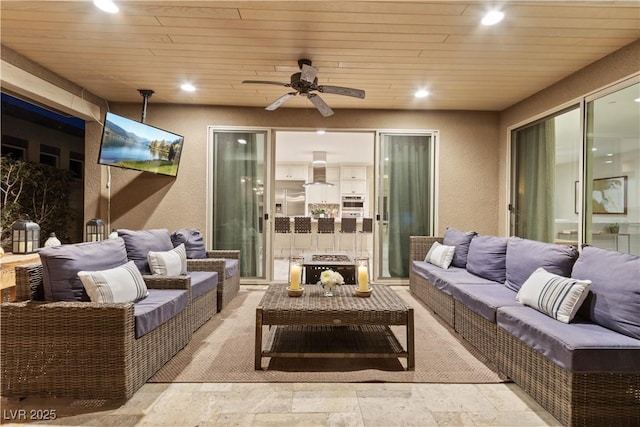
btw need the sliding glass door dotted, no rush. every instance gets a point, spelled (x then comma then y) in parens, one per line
(546, 178)
(405, 197)
(236, 207)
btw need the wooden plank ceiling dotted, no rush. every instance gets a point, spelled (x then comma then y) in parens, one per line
(389, 49)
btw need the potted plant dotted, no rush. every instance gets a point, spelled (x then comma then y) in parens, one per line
(614, 228)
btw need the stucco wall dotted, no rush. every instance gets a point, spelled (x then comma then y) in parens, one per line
(619, 65)
(467, 162)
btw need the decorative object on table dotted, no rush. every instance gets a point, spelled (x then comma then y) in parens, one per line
(52, 241)
(94, 231)
(362, 267)
(295, 276)
(25, 237)
(328, 279)
(614, 228)
(113, 234)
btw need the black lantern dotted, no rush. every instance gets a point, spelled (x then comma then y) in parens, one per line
(94, 231)
(25, 236)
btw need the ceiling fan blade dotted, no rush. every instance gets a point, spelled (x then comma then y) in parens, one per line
(267, 82)
(320, 105)
(278, 102)
(308, 73)
(337, 90)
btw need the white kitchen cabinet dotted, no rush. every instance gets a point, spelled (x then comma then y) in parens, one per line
(353, 172)
(353, 187)
(291, 173)
(323, 194)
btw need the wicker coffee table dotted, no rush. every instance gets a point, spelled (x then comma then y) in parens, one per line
(342, 326)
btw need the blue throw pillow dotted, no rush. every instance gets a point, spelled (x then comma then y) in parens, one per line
(461, 240)
(614, 300)
(140, 242)
(487, 257)
(61, 264)
(192, 240)
(525, 256)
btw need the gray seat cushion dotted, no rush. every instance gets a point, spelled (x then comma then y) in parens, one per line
(614, 298)
(524, 256)
(487, 257)
(61, 264)
(579, 347)
(443, 279)
(202, 282)
(231, 267)
(485, 299)
(158, 307)
(140, 242)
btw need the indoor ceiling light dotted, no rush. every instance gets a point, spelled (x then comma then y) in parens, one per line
(492, 17)
(242, 141)
(422, 93)
(106, 5)
(188, 87)
(637, 99)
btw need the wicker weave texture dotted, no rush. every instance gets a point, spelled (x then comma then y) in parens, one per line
(476, 329)
(80, 349)
(575, 399)
(228, 287)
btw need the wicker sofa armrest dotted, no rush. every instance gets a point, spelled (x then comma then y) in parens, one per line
(29, 282)
(224, 253)
(420, 245)
(207, 264)
(168, 282)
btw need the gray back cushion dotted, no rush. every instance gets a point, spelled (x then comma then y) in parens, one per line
(193, 242)
(461, 240)
(61, 264)
(524, 256)
(140, 242)
(614, 299)
(487, 257)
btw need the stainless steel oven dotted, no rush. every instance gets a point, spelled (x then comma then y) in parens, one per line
(352, 206)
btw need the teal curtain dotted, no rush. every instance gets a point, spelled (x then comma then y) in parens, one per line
(409, 196)
(237, 198)
(535, 180)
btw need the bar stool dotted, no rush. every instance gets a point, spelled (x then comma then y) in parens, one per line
(283, 226)
(302, 225)
(326, 226)
(367, 228)
(348, 226)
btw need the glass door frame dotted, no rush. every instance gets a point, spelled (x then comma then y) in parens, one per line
(267, 196)
(378, 232)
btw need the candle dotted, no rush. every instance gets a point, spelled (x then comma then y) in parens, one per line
(296, 275)
(29, 246)
(363, 278)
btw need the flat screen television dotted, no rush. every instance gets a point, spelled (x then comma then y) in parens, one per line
(133, 145)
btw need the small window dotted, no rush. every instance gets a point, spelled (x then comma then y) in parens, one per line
(13, 147)
(76, 167)
(49, 155)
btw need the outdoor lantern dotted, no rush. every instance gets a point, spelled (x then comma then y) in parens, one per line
(94, 230)
(362, 272)
(296, 264)
(25, 236)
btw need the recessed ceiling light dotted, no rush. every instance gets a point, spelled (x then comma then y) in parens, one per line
(492, 17)
(242, 141)
(106, 5)
(594, 149)
(188, 87)
(609, 161)
(637, 99)
(422, 93)
(609, 154)
(320, 132)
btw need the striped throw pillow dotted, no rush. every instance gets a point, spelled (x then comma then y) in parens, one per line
(440, 255)
(120, 284)
(169, 263)
(556, 296)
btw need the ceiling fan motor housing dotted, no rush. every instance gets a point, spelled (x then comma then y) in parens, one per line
(303, 86)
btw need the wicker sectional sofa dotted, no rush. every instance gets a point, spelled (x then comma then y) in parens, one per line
(585, 372)
(56, 342)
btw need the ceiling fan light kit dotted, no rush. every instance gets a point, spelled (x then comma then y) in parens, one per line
(305, 83)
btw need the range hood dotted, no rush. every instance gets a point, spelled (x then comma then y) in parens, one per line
(319, 169)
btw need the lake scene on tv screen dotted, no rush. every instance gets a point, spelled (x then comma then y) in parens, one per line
(134, 145)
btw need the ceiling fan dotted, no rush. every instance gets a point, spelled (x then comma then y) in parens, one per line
(305, 83)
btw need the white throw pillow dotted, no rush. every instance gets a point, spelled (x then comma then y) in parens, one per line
(169, 263)
(440, 255)
(553, 295)
(120, 284)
